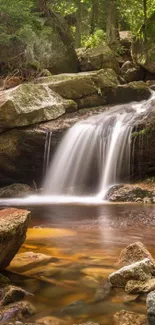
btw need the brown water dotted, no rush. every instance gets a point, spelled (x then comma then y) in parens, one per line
(85, 243)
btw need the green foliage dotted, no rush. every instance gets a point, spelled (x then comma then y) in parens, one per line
(95, 39)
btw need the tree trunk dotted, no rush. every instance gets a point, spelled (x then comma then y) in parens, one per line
(78, 24)
(145, 18)
(94, 16)
(112, 32)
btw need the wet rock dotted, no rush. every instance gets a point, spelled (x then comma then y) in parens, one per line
(16, 311)
(133, 253)
(133, 91)
(97, 58)
(11, 294)
(29, 260)
(13, 227)
(15, 190)
(29, 104)
(131, 193)
(103, 291)
(150, 304)
(134, 286)
(125, 317)
(142, 270)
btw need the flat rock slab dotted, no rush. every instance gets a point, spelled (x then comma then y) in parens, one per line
(141, 271)
(125, 317)
(13, 227)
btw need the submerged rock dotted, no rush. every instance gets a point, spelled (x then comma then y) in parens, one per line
(13, 227)
(142, 270)
(16, 311)
(100, 57)
(51, 320)
(133, 253)
(11, 294)
(125, 317)
(29, 104)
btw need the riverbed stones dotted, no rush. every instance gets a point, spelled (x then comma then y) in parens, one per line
(125, 317)
(150, 303)
(13, 227)
(142, 271)
(134, 286)
(31, 103)
(133, 253)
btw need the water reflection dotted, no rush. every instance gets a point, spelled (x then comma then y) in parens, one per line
(84, 243)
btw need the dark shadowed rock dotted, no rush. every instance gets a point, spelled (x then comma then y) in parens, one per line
(15, 190)
(133, 253)
(150, 303)
(142, 270)
(11, 294)
(125, 317)
(13, 227)
(100, 57)
(16, 311)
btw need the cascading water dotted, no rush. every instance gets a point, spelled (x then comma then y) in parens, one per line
(105, 137)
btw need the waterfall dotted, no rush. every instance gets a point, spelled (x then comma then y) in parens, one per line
(47, 150)
(105, 138)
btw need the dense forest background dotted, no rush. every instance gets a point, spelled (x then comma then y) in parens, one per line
(31, 30)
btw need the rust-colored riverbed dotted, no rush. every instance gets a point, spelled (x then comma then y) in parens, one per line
(85, 243)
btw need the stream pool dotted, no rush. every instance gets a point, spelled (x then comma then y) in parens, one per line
(85, 243)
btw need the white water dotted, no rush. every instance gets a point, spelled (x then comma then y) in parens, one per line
(105, 138)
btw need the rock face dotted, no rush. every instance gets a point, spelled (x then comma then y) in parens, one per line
(125, 317)
(13, 227)
(150, 303)
(29, 104)
(15, 190)
(142, 270)
(133, 253)
(97, 58)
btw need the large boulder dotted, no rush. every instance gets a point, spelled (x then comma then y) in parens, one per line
(143, 192)
(13, 227)
(29, 104)
(100, 57)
